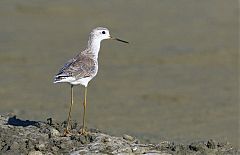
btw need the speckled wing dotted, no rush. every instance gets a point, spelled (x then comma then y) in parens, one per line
(78, 67)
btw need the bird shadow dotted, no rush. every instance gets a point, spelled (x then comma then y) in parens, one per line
(18, 122)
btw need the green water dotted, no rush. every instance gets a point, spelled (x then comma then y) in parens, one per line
(176, 80)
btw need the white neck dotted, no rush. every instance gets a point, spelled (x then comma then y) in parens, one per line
(94, 46)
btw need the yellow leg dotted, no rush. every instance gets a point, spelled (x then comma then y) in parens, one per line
(69, 113)
(83, 131)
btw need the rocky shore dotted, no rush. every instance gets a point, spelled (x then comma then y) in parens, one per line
(36, 138)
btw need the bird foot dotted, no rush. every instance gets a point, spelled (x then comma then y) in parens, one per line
(83, 132)
(66, 133)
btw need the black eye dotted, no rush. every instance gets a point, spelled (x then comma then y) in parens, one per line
(103, 32)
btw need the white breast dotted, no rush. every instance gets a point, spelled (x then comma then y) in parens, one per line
(82, 81)
(74, 81)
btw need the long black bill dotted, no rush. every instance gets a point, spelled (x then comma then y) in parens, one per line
(120, 40)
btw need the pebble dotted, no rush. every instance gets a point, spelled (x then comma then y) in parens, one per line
(134, 149)
(15, 146)
(35, 153)
(54, 132)
(106, 139)
(127, 137)
(211, 144)
(40, 146)
(55, 149)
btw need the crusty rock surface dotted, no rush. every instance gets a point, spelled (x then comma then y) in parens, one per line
(36, 138)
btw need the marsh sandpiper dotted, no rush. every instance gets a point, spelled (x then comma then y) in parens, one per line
(82, 68)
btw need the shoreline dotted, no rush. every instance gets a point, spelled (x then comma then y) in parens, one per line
(35, 138)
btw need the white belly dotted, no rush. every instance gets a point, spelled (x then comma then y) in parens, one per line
(83, 81)
(74, 81)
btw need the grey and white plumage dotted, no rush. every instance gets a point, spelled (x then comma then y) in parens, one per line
(84, 66)
(79, 70)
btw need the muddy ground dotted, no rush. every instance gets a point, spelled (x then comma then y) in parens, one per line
(19, 136)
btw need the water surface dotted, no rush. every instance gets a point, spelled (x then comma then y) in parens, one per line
(176, 80)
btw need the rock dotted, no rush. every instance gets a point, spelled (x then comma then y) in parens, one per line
(105, 140)
(54, 132)
(211, 144)
(15, 146)
(198, 146)
(37, 138)
(127, 137)
(55, 149)
(134, 149)
(35, 153)
(40, 146)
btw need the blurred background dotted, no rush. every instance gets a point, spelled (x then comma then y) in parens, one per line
(177, 79)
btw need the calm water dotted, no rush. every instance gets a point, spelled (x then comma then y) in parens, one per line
(177, 80)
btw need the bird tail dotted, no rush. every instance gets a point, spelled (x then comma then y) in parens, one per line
(62, 78)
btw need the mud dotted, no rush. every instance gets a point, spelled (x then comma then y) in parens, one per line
(35, 138)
